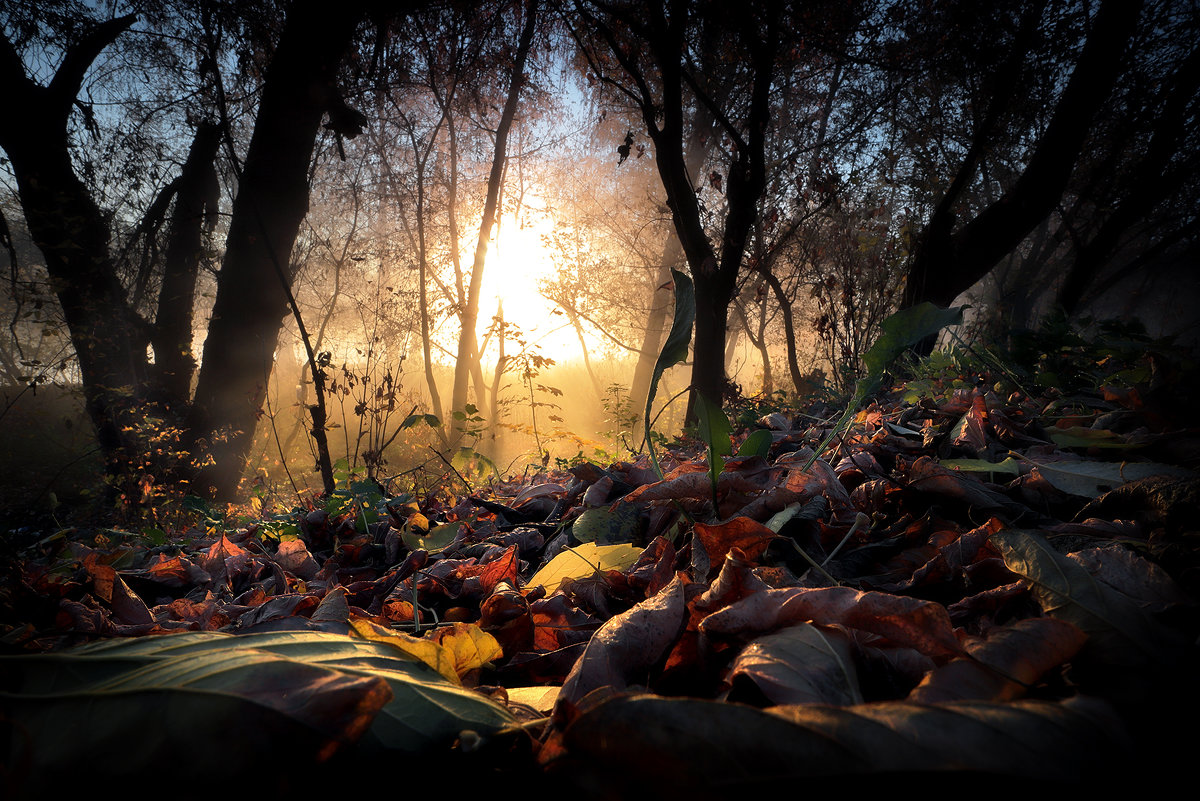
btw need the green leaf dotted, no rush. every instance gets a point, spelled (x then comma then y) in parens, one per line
(583, 561)
(154, 535)
(757, 444)
(714, 430)
(430, 420)
(1093, 479)
(225, 702)
(1009, 466)
(435, 540)
(607, 525)
(906, 328)
(675, 349)
(898, 333)
(1080, 437)
(1119, 631)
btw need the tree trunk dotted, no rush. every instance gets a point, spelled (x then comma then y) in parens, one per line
(656, 323)
(656, 328)
(467, 340)
(949, 261)
(255, 277)
(73, 234)
(195, 201)
(1153, 181)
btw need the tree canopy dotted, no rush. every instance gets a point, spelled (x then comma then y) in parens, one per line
(216, 210)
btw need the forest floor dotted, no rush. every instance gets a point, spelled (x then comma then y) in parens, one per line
(975, 582)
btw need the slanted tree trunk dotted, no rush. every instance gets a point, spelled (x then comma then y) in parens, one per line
(1153, 182)
(949, 260)
(73, 234)
(256, 274)
(468, 347)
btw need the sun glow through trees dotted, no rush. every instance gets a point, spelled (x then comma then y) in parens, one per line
(518, 258)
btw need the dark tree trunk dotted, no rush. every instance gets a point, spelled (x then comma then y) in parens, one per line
(656, 329)
(73, 235)
(948, 261)
(801, 383)
(256, 274)
(1152, 181)
(195, 202)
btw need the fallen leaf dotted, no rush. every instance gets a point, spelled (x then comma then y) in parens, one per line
(923, 625)
(583, 561)
(625, 649)
(469, 646)
(1003, 665)
(1119, 631)
(801, 664)
(426, 651)
(690, 748)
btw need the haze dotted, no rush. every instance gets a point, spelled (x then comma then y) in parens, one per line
(208, 208)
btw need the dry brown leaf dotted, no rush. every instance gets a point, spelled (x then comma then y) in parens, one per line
(1004, 664)
(624, 649)
(920, 624)
(748, 536)
(802, 664)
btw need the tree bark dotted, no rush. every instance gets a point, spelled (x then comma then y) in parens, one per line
(656, 322)
(1152, 182)
(714, 276)
(195, 200)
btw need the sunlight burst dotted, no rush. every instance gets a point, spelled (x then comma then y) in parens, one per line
(518, 258)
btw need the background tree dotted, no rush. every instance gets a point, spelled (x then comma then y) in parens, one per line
(950, 257)
(75, 234)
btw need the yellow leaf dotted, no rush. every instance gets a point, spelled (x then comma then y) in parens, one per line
(469, 646)
(427, 651)
(583, 561)
(540, 698)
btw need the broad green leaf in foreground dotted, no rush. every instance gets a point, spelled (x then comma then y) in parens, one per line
(415, 709)
(216, 719)
(583, 561)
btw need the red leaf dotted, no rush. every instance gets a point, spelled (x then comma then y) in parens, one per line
(748, 536)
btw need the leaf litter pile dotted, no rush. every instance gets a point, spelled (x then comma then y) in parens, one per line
(961, 586)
